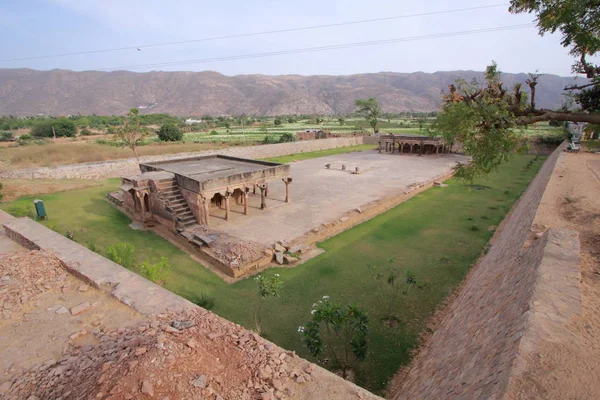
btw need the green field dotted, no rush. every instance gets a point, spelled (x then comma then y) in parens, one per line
(438, 234)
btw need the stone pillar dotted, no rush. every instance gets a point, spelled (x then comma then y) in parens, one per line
(246, 201)
(379, 147)
(266, 190)
(287, 182)
(206, 207)
(262, 188)
(227, 212)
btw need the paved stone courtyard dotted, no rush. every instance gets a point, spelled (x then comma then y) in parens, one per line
(320, 195)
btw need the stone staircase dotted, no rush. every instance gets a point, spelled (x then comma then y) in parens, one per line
(169, 191)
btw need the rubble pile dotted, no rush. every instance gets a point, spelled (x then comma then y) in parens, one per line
(24, 276)
(197, 355)
(235, 252)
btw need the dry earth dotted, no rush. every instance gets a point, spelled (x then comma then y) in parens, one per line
(64, 339)
(570, 369)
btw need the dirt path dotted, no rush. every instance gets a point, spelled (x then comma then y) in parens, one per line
(571, 369)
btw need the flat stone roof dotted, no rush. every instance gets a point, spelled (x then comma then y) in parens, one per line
(212, 173)
(202, 169)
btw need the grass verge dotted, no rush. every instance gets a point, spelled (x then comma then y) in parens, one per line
(320, 153)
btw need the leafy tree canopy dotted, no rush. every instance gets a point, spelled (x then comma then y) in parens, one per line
(170, 133)
(370, 110)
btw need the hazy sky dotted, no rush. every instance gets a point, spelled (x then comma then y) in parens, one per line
(43, 27)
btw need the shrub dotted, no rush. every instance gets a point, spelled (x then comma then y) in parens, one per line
(1, 195)
(85, 132)
(158, 271)
(206, 301)
(214, 133)
(122, 254)
(6, 136)
(339, 330)
(62, 127)
(269, 140)
(287, 137)
(25, 136)
(170, 133)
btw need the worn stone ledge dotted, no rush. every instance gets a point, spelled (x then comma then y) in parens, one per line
(137, 292)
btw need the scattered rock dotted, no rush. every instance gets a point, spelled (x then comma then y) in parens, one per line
(191, 343)
(139, 351)
(5, 387)
(78, 334)
(359, 210)
(315, 230)
(83, 288)
(170, 329)
(300, 379)
(344, 219)
(289, 259)
(62, 310)
(439, 184)
(199, 382)
(279, 248)
(182, 324)
(147, 389)
(83, 307)
(279, 258)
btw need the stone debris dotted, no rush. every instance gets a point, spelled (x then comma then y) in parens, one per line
(439, 184)
(83, 288)
(180, 325)
(235, 253)
(289, 259)
(279, 258)
(25, 276)
(200, 382)
(146, 361)
(279, 248)
(81, 308)
(62, 310)
(344, 219)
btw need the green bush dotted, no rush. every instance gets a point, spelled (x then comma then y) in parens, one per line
(62, 127)
(122, 254)
(269, 140)
(85, 132)
(1, 195)
(26, 136)
(170, 133)
(158, 271)
(6, 136)
(287, 137)
(214, 133)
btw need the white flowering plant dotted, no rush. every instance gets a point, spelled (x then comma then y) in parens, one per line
(267, 287)
(340, 331)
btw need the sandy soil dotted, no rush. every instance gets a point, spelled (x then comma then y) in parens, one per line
(571, 369)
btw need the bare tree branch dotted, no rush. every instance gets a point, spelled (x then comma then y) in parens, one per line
(579, 87)
(532, 117)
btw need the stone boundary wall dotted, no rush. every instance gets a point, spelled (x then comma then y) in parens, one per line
(129, 166)
(474, 352)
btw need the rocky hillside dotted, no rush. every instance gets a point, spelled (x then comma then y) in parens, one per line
(59, 92)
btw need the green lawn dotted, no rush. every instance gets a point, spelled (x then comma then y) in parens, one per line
(320, 153)
(438, 234)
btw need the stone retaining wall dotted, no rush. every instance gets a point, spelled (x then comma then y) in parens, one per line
(474, 352)
(129, 166)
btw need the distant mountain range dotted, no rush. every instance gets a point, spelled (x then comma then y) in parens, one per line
(26, 92)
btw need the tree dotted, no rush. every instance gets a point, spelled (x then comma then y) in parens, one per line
(319, 120)
(339, 330)
(170, 133)
(132, 133)
(487, 118)
(370, 110)
(267, 287)
(341, 121)
(61, 127)
(277, 121)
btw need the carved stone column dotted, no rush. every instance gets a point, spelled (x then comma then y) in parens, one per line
(227, 211)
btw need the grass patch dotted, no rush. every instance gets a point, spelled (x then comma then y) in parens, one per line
(320, 153)
(430, 234)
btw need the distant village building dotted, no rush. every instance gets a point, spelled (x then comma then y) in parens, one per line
(313, 134)
(190, 121)
(411, 144)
